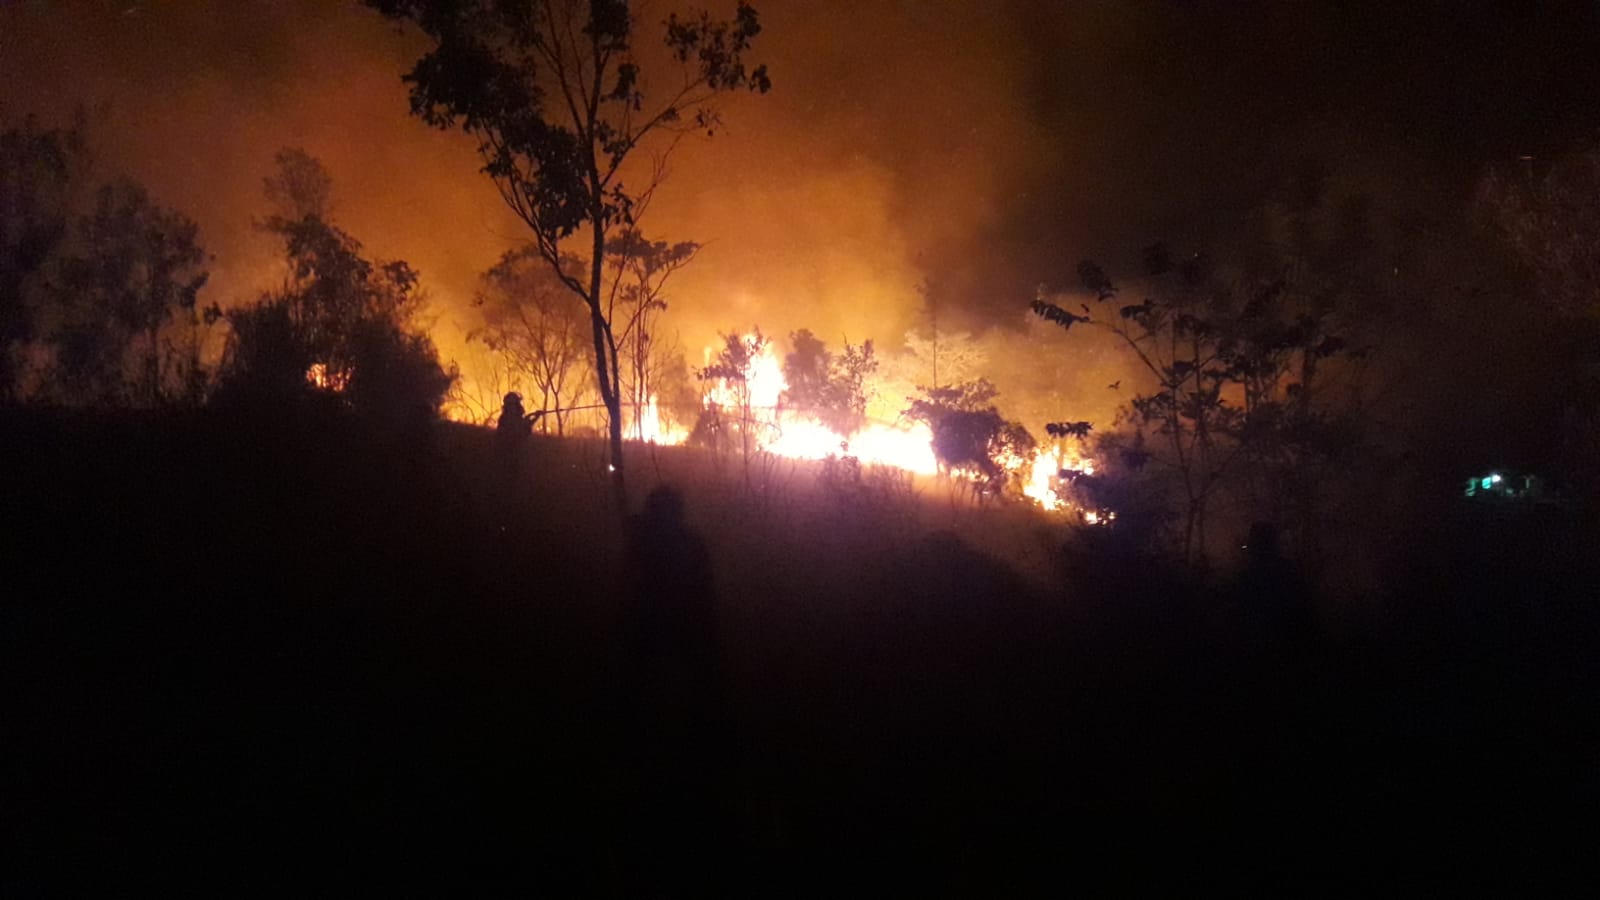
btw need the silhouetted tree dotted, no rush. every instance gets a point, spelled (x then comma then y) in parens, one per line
(266, 358)
(556, 98)
(900, 375)
(1236, 368)
(334, 290)
(640, 270)
(849, 394)
(340, 322)
(40, 170)
(733, 367)
(534, 322)
(396, 372)
(805, 370)
(945, 358)
(970, 434)
(299, 187)
(134, 268)
(831, 388)
(99, 284)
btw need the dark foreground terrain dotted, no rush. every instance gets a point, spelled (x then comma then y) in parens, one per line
(240, 655)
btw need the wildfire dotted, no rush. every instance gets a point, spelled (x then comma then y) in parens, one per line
(753, 407)
(651, 430)
(757, 399)
(1040, 486)
(909, 448)
(318, 376)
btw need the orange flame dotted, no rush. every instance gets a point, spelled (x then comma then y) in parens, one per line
(789, 433)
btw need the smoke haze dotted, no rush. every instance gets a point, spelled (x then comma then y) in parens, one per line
(980, 149)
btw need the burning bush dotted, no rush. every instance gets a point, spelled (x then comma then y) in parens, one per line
(830, 388)
(740, 386)
(971, 437)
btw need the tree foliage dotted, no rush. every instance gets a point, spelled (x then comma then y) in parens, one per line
(732, 370)
(640, 270)
(538, 327)
(397, 377)
(298, 188)
(340, 323)
(1079, 430)
(40, 170)
(1236, 366)
(832, 388)
(99, 283)
(333, 289)
(136, 267)
(559, 102)
(969, 433)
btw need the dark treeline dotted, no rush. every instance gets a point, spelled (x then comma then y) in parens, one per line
(104, 300)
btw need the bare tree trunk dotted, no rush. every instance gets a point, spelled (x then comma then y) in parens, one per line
(605, 366)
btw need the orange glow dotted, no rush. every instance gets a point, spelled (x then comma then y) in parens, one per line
(784, 432)
(909, 448)
(781, 431)
(1040, 484)
(318, 376)
(650, 429)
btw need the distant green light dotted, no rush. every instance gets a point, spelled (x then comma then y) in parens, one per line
(1488, 482)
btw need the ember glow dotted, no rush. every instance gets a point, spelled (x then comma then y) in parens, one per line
(649, 429)
(757, 402)
(754, 406)
(1040, 486)
(758, 399)
(318, 376)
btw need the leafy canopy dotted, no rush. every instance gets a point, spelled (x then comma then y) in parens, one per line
(557, 99)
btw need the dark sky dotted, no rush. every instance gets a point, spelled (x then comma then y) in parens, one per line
(1171, 115)
(987, 145)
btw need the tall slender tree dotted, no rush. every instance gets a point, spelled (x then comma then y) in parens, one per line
(558, 101)
(640, 269)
